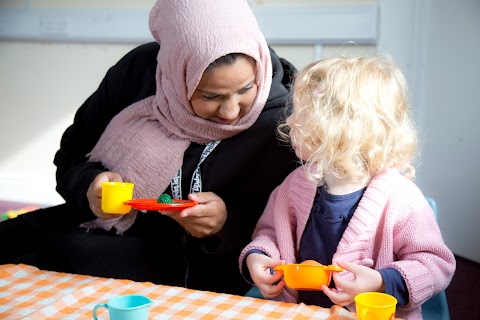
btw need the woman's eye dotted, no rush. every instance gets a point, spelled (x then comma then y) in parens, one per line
(210, 97)
(246, 89)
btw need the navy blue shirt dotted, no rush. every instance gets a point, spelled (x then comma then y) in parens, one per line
(328, 220)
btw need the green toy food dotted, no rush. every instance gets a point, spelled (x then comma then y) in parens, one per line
(164, 198)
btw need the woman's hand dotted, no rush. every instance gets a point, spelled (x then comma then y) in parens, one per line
(366, 280)
(259, 266)
(203, 220)
(94, 193)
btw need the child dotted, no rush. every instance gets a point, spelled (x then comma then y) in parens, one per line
(349, 204)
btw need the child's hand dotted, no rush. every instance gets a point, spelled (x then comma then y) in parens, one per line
(366, 280)
(259, 266)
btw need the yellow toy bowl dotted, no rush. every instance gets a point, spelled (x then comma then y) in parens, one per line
(308, 275)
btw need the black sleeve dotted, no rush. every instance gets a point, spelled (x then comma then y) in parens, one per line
(130, 80)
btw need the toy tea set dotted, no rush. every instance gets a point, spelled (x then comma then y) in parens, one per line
(311, 275)
(308, 275)
(117, 199)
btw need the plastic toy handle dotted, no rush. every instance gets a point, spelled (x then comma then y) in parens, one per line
(333, 268)
(363, 314)
(100, 305)
(277, 268)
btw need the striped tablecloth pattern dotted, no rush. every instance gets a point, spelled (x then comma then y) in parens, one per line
(29, 293)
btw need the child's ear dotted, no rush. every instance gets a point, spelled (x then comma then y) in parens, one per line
(408, 171)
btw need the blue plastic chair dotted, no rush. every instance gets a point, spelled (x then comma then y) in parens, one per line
(254, 293)
(435, 308)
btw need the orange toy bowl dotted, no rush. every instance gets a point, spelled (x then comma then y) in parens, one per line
(307, 276)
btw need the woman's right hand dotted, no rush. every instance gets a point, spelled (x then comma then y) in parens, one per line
(259, 266)
(94, 193)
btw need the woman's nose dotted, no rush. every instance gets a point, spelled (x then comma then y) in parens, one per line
(229, 109)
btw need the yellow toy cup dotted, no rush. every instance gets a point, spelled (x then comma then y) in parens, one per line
(114, 194)
(375, 306)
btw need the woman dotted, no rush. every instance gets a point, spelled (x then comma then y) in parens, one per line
(156, 120)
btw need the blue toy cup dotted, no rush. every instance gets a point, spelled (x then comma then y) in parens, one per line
(127, 307)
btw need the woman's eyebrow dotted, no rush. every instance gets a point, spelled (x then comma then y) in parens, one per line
(207, 92)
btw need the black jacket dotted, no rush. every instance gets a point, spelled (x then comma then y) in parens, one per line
(242, 170)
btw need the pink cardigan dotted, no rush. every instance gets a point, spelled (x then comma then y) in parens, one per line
(393, 226)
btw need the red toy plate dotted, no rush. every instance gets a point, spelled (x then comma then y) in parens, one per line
(153, 205)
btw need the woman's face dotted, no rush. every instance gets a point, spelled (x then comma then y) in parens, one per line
(226, 93)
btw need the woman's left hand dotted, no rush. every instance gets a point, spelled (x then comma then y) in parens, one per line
(203, 220)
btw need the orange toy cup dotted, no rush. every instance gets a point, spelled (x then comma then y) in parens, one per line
(309, 275)
(114, 194)
(375, 306)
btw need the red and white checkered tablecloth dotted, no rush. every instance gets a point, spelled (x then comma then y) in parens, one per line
(29, 293)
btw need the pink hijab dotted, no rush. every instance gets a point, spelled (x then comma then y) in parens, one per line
(145, 142)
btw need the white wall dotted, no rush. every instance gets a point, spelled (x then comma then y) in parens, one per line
(41, 86)
(451, 151)
(436, 42)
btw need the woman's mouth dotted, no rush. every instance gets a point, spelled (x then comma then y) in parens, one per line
(226, 121)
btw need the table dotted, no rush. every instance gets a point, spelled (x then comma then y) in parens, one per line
(29, 293)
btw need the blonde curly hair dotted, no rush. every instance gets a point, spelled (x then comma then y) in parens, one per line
(351, 118)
